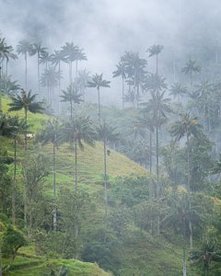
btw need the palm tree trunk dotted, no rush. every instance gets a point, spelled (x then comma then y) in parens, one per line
(71, 103)
(122, 93)
(59, 86)
(14, 183)
(75, 166)
(188, 190)
(38, 57)
(54, 191)
(26, 71)
(99, 104)
(25, 180)
(70, 72)
(157, 64)
(157, 171)
(150, 156)
(157, 162)
(105, 176)
(184, 262)
(76, 72)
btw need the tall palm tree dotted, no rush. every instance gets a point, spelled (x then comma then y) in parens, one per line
(145, 122)
(136, 71)
(17, 127)
(155, 50)
(187, 126)
(78, 131)
(25, 48)
(25, 100)
(154, 83)
(121, 72)
(178, 90)
(71, 95)
(70, 51)
(39, 50)
(157, 107)
(80, 55)
(106, 133)
(56, 58)
(51, 133)
(190, 68)
(82, 81)
(97, 82)
(5, 51)
(50, 78)
(45, 58)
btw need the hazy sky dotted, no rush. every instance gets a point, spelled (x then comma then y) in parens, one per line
(106, 28)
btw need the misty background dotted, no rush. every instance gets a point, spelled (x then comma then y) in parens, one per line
(106, 29)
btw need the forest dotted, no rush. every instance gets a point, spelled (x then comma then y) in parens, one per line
(92, 188)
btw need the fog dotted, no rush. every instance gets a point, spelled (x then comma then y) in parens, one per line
(106, 29)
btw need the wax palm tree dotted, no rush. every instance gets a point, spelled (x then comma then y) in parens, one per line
(27, 102)
(51, 133)
(187, 126)
(121, 72)
(106, 133)
(5, 52)
(78, 131)
(50, 78)
(82, 80)
(70, 51)
(25, 48)
(56, 58)
(45, 58)
(155, 50)
(80, 55)
(145, 122)
(178, 90)
(135, 68)
(11, 56)
(72, 96)
(190, 68)
(97, 82)
(154, 83)
(39, 50)
(157, 107)
(17, 127)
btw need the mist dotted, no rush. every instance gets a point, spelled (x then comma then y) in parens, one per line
(106, 29)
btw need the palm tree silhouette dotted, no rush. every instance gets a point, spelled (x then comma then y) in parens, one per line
(80, 55)
(38, 50)
(178, 90)
(78, 131)
(187, 126)
(106, 133)
(190, 68)
(56, 58)
(121, 72)
(25, 48)
(82, 81)
(52, 134)
(97, 82)
(27, 101)
(155, 50)
(71, 95)
(50, 78)
(70, 51)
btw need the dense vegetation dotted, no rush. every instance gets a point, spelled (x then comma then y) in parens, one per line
(65, 192)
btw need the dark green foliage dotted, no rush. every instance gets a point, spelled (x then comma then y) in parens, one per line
(130, 191)
(12, 241)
